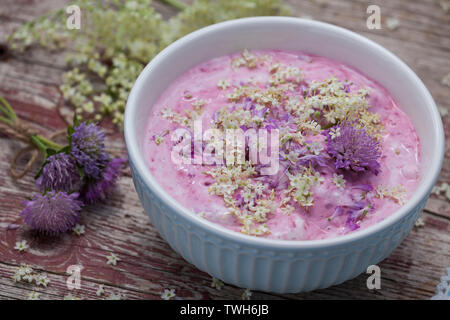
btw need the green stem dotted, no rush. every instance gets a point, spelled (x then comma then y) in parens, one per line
(175, 3)
(48, 143)
(7, 109)
(7, 121)
(38, 143)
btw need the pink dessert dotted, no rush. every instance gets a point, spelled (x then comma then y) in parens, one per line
(346, 158)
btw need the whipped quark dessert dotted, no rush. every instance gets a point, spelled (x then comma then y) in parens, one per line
(342, 154)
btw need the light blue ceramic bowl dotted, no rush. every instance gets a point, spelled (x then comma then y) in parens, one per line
(276, 265)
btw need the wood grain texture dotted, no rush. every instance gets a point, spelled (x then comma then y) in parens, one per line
(148, 265)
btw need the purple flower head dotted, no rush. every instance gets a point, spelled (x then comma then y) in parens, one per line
(60, 174)
(97, 190)
(353, 149)
(88, 149)
(52, 213)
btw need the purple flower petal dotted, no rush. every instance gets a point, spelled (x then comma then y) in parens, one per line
(52, 213)
(98, 189)
(88, 149)
(354, 149)
(60, 174)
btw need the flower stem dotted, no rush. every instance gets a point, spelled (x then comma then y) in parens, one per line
(6, 108)
(38, 143)
(5, 120)
(48, 143)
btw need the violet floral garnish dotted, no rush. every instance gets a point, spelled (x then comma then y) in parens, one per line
(355, 212)
(97, 190)
(59, 173)
(53, 212)
(80, 173)
(88, 149)
(353, 149)
(312, 160)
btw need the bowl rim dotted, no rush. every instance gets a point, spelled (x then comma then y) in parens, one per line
(421, 193)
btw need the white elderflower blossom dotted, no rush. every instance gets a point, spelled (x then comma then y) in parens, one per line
(112, 259)
(42, 280)
(100, 290)
(338, 180)
(199, 104)
(246, 295)
(168, 294)
(419, 223)
(223, 84)
(443, 188)
(396, 193)
(21, 246)
(315, 147)
(335, 133)
(78, 229)
(28, 278)
(34, 295)
(446, 80)
(216, 283)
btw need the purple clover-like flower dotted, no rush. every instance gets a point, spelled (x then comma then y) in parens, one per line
(97, 190)
(52, 213)
(88, 149)
(353, 149)
(59, 173)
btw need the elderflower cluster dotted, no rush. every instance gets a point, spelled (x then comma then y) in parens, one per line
(26, 274)
(396, 193)
(443, 188)
(301, 185)
(245, 199)
(282, 74)
(246, 59)
(335, 100)
(234, 120)
(120, 38)
(187, 119)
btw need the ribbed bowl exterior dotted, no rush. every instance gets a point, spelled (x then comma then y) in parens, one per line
(257, 267)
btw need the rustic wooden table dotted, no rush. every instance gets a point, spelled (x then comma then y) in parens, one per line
(148, 265)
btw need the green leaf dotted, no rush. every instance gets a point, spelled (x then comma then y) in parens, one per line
(75, 120)
(70, 131)
(65, 150)
(51, 152)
